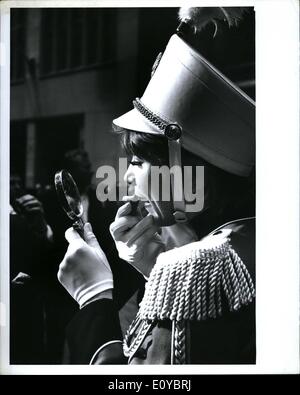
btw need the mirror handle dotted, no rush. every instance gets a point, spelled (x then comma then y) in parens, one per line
(78, 226)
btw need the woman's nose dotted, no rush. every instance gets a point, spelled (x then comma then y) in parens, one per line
(129, 175)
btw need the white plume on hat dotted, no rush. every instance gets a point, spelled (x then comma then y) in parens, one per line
(199, 17)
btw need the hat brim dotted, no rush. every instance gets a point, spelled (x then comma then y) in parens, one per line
(133, 120)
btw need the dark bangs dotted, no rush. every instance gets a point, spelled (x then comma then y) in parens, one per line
(149, 147)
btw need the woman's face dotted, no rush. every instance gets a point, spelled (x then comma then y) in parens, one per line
(156, 187)
(139, 180)
(137, 176)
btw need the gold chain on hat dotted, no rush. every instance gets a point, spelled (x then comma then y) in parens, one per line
(171, 130)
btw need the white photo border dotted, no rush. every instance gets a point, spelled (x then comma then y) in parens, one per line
(277, 196)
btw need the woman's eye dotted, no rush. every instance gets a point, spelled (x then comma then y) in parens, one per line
(136, 163)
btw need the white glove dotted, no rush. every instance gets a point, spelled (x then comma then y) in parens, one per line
(85, 272)
(136, 239)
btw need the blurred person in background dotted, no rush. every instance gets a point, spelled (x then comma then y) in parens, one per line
(30, 241)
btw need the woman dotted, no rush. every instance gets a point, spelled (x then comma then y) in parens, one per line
(198, 305)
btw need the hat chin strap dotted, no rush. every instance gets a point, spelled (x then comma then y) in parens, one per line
(177, 187)
(172, 131)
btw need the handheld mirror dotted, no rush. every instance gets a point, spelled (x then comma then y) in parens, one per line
(69, 198)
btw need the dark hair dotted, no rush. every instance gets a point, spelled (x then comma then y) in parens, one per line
(229, 196)
(149, 147)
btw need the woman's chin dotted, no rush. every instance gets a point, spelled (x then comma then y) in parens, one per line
(162, 212)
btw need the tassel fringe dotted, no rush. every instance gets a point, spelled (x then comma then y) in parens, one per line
(194, 288)
(194, 282)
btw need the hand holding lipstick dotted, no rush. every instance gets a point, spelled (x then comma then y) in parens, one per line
(137, 240)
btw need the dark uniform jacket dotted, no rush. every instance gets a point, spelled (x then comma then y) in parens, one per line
(200, 311)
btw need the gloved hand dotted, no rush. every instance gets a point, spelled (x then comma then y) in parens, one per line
(32, 209)
(136, 239)
(85, 272)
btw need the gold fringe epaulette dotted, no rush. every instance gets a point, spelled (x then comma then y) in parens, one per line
(193, 282)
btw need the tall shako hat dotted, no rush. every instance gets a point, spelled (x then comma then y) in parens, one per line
(194, 105)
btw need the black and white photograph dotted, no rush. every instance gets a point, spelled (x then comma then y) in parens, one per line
(133, 161)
